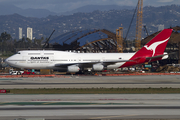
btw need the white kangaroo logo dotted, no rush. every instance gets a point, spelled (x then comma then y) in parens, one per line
(153, 46)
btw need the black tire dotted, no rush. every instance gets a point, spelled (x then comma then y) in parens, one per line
(18, 73)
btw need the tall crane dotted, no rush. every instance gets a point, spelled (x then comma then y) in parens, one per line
(119, 38)
(139, 24)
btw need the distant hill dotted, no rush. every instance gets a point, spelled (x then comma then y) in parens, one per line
(8, 9)
(110, 20)
(91, 8)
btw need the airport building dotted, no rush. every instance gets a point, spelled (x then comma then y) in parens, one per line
(92, 40)
(30, 33)
(20, 33)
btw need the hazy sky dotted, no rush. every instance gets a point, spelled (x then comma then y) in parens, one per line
(67, 5)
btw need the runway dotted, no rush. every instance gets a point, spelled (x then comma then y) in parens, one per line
(92, 106)
(156, 81)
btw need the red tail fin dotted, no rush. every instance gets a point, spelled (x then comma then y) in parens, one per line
(153, 48)
(156, 46)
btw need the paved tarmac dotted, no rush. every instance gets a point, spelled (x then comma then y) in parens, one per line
(155, 81)
(92, 106)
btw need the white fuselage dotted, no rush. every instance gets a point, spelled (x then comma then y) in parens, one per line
(74, 62)
(47, 59)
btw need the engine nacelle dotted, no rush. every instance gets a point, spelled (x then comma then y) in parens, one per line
(98, 67)
(73, 68)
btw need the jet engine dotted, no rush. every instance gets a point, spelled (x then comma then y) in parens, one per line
(73, 68)
(98, 67)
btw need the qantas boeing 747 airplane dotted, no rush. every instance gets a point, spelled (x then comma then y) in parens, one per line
(74, 62)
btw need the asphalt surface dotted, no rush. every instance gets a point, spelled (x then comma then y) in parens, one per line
(156, 81)
(92, 106)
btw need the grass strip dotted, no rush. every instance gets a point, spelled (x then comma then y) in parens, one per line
(96, 91)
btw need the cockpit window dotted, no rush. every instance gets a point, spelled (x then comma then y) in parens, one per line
(18, 53)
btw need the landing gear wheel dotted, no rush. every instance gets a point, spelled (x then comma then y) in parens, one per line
(89, 73)
(18, 73)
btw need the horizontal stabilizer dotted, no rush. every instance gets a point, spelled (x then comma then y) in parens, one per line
(159, 56)
(155, 57)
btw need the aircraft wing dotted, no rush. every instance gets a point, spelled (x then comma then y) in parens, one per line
(109, 62)
(91, 63)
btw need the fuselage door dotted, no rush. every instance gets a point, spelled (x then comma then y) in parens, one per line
(103, 59)
(79, 60)
(25, 59)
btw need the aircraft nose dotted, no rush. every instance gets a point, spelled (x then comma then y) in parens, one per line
(7, 61)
